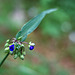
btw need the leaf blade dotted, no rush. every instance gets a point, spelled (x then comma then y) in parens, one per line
(31, 25)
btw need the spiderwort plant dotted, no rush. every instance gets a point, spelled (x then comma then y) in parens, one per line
(15, 46)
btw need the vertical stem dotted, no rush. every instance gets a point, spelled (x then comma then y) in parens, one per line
(4, 60)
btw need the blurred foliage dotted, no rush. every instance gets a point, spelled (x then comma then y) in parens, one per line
(55, 27)
(52, 24)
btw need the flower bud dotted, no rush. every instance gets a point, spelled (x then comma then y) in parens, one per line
(6, 45)
(24, 53)
(22, 57)
(7, 49)
(20, 38)
(19, 53)
(8, 41)
(11, 52)
(15, 56)
(30, 43)
(22, 45)
(33, 44)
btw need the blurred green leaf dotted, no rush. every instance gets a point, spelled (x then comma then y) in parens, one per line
(51, 29)
(62, 72)
(27, 70)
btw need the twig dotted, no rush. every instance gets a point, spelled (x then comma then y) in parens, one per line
(3, 60)
(25, 42)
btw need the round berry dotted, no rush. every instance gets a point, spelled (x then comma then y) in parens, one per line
(31, 47)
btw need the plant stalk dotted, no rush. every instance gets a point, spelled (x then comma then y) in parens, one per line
(4, 60)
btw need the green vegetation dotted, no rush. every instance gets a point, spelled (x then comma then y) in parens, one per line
(54, 38)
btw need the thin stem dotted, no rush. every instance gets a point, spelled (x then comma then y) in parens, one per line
(4, 59)
(25, 42)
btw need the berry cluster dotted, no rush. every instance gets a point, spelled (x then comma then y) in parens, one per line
(17, 48)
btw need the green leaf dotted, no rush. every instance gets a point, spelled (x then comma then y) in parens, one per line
(32, 25)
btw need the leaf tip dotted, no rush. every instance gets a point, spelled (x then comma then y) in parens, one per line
(50, 10)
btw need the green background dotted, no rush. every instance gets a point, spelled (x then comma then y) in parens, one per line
(54, 52)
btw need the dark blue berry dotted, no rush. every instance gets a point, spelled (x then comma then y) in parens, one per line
(31, 47)
(11, 47)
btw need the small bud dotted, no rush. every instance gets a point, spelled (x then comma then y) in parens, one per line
(30, 43)
(6, 45)
(7, 49)
(33, 44)
(11, 52)
(17, 46)
(24, 53)
(8, 41)
(15, 56)
(13, 43)
(29, 46)
(22, 57)
(20, 38)
(22, 45)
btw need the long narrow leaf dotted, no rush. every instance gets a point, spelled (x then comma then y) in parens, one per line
(31, 25)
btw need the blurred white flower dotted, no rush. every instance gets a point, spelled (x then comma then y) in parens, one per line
(18, 17)
(72, 36)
